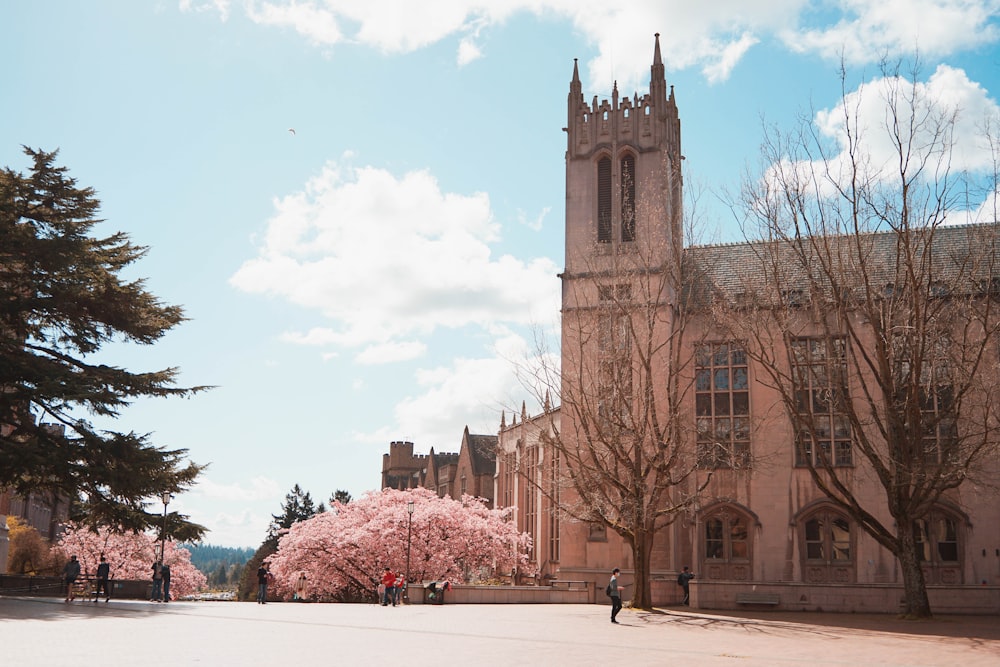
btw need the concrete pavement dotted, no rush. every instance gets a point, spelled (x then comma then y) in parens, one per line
(45, 631)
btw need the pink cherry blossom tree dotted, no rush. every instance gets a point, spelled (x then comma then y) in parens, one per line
(130, 556)
(343, 551)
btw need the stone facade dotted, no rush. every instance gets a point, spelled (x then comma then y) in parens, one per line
(469, 471)
(763, 534)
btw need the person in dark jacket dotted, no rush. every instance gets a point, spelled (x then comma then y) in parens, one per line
(103, 574)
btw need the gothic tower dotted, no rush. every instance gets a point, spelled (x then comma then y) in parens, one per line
(623, 230)
(623, 175)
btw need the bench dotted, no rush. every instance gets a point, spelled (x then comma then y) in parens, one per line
(556, 583)
(772, 599)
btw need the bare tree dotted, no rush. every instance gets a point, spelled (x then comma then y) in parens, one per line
(623, 438)
(874, 319)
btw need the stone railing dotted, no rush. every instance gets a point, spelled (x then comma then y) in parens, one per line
(559, 592)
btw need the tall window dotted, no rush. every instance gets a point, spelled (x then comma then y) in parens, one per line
(828, 538)
(827, 547)
(615, 359)
(628, 198)
(531, 498)
(553, 514)
(936, 395)
(509, 473)
(819, 373)
(939, 547)
(604, 200)
(937, 538)
(726, 545)
(722, 405)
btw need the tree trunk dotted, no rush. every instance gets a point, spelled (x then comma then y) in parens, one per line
(642, 548)
(916, 605)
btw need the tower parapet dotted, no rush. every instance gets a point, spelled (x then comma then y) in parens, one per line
(646, 122)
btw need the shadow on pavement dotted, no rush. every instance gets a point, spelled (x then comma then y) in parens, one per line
(813, 623)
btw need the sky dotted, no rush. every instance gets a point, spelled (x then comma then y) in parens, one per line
(360, 205)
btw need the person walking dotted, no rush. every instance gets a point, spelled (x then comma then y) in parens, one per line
(165, 575)
(70, 572)
(616, 595)
(103, 574)
(389, 581)
(157, 582)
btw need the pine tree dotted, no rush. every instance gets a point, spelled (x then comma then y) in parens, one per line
(62, 301)
(298, 507)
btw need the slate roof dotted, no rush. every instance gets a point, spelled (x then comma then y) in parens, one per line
(483, 453)
(737, 269)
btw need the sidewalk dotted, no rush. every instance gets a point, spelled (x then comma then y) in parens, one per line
(43, 632)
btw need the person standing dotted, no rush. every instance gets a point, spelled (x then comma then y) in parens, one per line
(70, 572)
(103, 574)
(684, 580)
(616, 594)
(157, 582)
(300, 587)
(165, 575)
(262, 576)
(389, 581)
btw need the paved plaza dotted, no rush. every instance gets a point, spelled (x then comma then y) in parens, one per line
(46, 631)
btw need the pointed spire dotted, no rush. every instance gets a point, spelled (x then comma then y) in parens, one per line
(524, 412)
(503, 419)
(657, 77)
(548, 403)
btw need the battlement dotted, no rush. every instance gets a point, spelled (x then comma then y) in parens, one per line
(650, 121)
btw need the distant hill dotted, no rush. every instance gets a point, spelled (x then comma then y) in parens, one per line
(222, 566)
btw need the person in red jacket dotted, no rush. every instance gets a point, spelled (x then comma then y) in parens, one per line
(389, 581)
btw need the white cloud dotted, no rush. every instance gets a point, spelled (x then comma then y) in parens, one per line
(390, 352)
(710, 36)
(943, 126)
(260, 488)
(947, 94)
(867, 29)
(467, 392)
(468, 51)
(219, 6)
(534, 224)
(385, 259)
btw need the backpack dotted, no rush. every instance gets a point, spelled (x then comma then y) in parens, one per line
(608, 590)
(680, 579)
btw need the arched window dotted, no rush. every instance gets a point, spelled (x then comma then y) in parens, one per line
(726, 545)
(628, 198)
(827, 541)
(939, 547)
(604, 200)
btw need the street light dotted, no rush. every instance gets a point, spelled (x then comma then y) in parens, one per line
(409, 524)
(166, 498)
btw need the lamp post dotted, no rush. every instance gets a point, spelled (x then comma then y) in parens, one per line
(166, 498)
(409, 524)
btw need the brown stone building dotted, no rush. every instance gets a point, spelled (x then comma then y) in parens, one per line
(761, 531)
(468, 472)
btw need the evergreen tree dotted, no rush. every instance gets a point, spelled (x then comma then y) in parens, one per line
(298, 507)
(340, 496)
(62, 301)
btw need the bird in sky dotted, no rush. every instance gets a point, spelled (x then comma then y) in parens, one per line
(292, 130)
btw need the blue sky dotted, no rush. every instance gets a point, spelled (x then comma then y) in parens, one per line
(371, 276)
